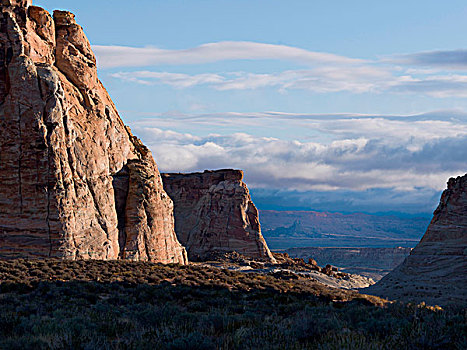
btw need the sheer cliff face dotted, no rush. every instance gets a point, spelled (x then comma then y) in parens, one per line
(435, 271)
(74, 182)
(214, 213)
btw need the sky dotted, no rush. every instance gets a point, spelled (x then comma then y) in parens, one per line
(326, 105)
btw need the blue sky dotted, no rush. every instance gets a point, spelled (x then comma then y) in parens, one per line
(327, 105)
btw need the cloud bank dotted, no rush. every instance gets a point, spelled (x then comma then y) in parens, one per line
(321, 80)
(398, 157)
(356, 80)
(377, 160)
(424, 73)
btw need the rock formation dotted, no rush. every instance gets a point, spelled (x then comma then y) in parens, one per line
(436, 270)
(369, 262)
(74, 182)
(214, 213)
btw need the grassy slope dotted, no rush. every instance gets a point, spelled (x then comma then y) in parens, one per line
(123, 305)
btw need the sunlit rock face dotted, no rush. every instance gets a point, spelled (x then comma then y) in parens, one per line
(436, 270)
(74, 182)
(214, 213)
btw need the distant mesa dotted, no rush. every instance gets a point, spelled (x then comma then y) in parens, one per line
(214, 213)
(436, 270)
(292, 229)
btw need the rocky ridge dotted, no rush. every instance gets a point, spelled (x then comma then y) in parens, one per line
(214, 213)
(369, 262)
(74, 182)
(287, 268)
(435, 271)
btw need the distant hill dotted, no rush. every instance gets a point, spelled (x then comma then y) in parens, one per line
(287, 229)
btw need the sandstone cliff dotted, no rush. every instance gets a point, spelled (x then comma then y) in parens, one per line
(214, 213)
(436, 270)
(74, 182)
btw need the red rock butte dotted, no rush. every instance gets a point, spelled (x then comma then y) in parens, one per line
(74, 182)
(214, 213)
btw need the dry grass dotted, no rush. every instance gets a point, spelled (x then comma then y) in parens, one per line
(52, 304)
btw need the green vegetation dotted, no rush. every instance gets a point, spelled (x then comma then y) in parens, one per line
(121, 305)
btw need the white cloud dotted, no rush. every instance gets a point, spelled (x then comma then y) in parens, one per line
(122, 56)
(361, 79)
(424, 73)
(440, 86)
(173, 79)
(365, 153)
(321, 80)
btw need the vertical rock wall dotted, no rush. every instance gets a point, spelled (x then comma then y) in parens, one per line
(436, 270)
(74, 182)
(214, 213)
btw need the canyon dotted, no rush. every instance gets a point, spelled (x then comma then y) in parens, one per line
(76, 184)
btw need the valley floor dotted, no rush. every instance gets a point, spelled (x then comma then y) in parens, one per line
(51, 304)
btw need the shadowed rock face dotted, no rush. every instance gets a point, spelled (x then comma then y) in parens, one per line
(435, 271)
(214, 213)
(74, 182)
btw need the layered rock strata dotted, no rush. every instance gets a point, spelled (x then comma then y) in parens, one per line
(436, 270)
(74, 182)
(214, 213)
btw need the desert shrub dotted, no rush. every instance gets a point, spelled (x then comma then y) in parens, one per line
(193, 341)
(103, 308)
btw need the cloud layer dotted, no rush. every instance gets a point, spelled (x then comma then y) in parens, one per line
(355, 153)
(123, 56)
(321, 80)
(356, 80)
(438, 74)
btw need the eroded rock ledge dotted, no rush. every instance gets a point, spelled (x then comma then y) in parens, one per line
(214, 213)
(74, 182)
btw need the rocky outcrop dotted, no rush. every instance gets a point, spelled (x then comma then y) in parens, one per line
(435, 271)
(214, 213)
(74, 182)
(369, 262)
